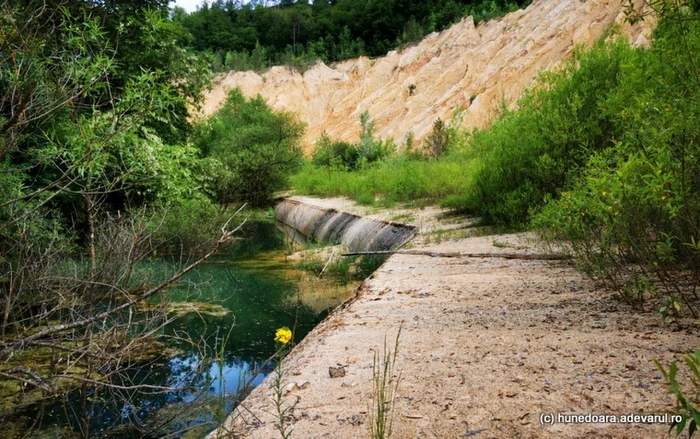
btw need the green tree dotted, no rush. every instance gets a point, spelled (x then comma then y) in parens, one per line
(438, 140)
(256, 148)
(335, 155)
(88, 135)
(347, 28)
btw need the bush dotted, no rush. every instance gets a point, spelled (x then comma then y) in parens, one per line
(530, 154)
(438, 141)
(335, 155)
(687, 403)
(369, 149)
(256, 148)
(347, 156)
(633, 218)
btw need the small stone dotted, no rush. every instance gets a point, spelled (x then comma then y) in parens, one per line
(414, 416)
(355, 420)
(336, 372)
(303, 384)
(290, 388)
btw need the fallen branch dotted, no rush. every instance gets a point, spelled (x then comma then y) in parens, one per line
(526, 256)
(328, 262)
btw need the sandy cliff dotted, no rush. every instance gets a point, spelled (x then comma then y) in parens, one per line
(465, 67)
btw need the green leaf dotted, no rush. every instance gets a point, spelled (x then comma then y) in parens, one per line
(680, 426)
(696, 417)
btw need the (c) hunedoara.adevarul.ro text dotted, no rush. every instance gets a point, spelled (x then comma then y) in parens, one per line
(592, 418)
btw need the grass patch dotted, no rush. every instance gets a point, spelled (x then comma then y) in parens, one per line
(404, 217)
(328, 263)
(396, 179)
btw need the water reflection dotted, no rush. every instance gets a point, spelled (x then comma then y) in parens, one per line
(238, 301)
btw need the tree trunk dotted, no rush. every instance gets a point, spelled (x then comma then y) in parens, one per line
(89, 208)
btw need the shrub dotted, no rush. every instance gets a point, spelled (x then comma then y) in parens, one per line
(335, 155)
(346, 156)
(438, 141)
(256, 148)
(687, 403)
(371, 150)
(531, 153)
(633, 218)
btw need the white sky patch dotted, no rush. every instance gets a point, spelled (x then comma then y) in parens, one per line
(187, 5)
(192, 5)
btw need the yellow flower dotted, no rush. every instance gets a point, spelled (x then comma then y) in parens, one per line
(283, 335)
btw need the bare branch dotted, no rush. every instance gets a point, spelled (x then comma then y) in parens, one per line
(225, 238)
(526, 256)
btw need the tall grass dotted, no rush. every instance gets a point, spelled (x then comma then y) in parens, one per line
(398, 179)
(385, 383)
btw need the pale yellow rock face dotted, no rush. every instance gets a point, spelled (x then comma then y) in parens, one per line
(464, 70)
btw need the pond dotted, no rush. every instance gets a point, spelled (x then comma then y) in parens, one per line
(237, 301)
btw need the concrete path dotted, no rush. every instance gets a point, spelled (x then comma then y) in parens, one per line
(487, 346)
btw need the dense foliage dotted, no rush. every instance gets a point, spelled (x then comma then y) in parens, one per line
(94, 103)
(97, 175)
(532, 152)
(633, 214)
(254, 149)
(248, 35)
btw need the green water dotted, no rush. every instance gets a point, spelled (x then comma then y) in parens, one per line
(259, 290)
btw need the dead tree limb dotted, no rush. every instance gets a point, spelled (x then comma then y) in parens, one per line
(526, 256)
(328, 262)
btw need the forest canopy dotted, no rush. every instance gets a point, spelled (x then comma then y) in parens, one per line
(242, 35)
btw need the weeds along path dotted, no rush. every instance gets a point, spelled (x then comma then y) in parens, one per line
(487, 345)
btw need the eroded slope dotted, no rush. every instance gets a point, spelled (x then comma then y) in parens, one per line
(466, 67)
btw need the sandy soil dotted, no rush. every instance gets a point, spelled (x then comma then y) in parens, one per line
(487, 346)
